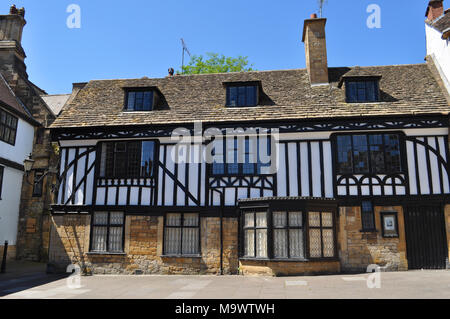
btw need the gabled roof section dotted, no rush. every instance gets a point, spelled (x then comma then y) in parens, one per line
(404, 90)
(12, 103)
(56, 102)
(442, 24)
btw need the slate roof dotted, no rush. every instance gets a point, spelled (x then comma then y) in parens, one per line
(9, 100)
(286, 94)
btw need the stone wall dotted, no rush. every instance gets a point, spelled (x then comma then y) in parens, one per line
(143, 247)
(11, 254)
(291, 268)
(359, 249)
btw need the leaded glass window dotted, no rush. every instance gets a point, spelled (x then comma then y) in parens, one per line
(127, 159)
(368, 153)
(182, 234)
(107, 232)
(244, 95)
(362, 91)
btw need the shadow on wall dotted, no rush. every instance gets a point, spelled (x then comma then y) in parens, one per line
(69, 244)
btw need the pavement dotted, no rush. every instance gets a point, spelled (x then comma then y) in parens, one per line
(427, 284)
(24, 275)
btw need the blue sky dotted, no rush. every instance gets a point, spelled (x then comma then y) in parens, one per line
(136, 38)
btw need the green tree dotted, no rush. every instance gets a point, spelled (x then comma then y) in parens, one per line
(215, 63)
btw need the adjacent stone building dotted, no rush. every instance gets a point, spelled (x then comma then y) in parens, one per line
(36, 188)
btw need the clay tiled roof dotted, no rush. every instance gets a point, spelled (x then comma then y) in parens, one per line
(405, 89)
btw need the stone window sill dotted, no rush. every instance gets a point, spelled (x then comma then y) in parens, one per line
(298, 260)
(180, 256)
(99, 253)
(368, 231)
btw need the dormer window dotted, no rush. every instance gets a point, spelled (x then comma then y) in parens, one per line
(242, 94)
(140, 99)
(362, 90)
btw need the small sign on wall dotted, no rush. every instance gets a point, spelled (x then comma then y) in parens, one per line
(389, 224)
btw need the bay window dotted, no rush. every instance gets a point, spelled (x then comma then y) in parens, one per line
(288, 231)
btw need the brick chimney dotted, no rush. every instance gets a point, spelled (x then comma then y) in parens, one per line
(12, 55)
(316, 50)
(434, 10)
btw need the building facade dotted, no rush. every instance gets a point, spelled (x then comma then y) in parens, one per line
(437, 28)
(31, 197)
(316, 170)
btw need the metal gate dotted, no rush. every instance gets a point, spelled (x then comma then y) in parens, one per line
(426, 238)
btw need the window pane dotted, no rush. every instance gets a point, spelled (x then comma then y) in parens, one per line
(392, 149)
(242, 96)
(190, 220)
(109, 159)
(261, 220)
(352, 92)
(173, 220)
(280, 243)
(131, 99)
(327, 219)
(361, 87)
(371, 91)
(139, 102)
(116, 218)
(100, 218)
(261, 243)
(172, 241)
(345, 162)
(232, 96)
(147, 158)
(360, 154)
(148, 99)
(328, 243)
(250, 157)
(115, 239)
(249, 220)
(296, 249)
(190, 241)
(134, 159)
(295, 219)
(367, 217)
(249, 243)
(99, 238)
(314, 219)
(232, 159)
(279, 219)
(218, 166)
(120, 160)
(251, 95)
(315, 248)
(376, 153)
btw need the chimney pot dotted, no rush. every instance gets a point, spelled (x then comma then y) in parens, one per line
(13, 9)
(314, 16)
(21, 12)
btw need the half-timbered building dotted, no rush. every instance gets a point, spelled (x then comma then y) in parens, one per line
(171, 175)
